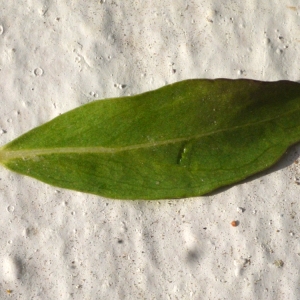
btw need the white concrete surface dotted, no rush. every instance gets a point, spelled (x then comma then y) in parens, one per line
(60, 244)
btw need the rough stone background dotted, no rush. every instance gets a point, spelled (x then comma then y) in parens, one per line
(59, 244)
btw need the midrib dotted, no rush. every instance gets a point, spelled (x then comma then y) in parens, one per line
(12, 154)
(6, 155)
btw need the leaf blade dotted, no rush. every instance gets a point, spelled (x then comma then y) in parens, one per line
(181, 140)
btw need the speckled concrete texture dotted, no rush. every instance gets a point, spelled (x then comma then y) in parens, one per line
(60, 244)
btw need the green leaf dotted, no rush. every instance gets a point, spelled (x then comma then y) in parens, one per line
(185, 139)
